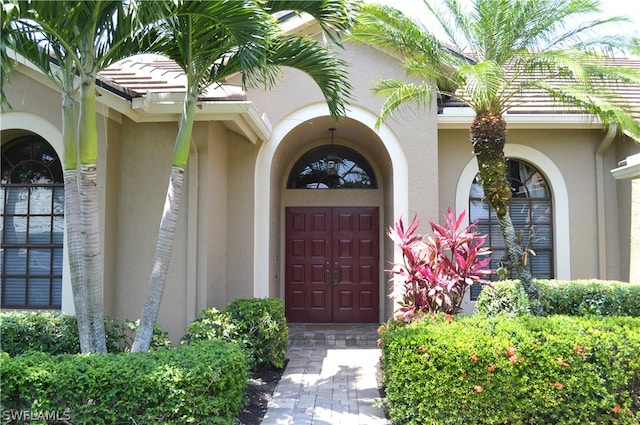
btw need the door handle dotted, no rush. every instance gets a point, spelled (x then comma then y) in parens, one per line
(335, 274)
(327, 275)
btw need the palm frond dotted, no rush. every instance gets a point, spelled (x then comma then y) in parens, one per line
(399, 94)
(335, 17)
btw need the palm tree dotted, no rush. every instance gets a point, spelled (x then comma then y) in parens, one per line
(211, 41)
(82, 37)
(493, 52)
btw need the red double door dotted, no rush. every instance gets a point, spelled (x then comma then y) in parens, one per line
(332, 270)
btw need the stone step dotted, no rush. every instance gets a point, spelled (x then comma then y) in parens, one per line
(338, 335)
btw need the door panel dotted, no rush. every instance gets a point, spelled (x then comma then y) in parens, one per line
(307, 294)
(332, 265)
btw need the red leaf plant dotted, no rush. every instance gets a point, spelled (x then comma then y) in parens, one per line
(437, 269)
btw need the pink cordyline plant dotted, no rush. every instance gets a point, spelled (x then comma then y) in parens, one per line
(437, 269)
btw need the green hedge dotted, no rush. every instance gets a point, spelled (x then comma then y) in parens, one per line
(574, 298)
(258, 325)
(57, 333)
(202, 383)
(523, 370)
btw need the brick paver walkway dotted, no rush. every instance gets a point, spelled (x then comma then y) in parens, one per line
(327, 386)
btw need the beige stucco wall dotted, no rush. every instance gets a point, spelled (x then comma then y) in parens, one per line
(628, 195)
(211, 262)
(634, 233)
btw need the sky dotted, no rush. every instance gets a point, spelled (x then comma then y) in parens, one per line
(628, 8)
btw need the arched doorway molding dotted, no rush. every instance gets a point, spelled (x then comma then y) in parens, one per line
(562, 245)
(43, 128)
(263, 186)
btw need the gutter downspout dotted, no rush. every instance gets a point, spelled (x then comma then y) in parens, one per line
(600, 201)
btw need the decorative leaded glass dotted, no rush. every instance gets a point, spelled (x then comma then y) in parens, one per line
(332, 167)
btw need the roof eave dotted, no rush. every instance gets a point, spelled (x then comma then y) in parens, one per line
(240, 116)
(464, 119)
(630, 169)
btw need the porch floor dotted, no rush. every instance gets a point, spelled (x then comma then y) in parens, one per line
(336, 335)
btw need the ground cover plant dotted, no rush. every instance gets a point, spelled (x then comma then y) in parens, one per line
(522, 370)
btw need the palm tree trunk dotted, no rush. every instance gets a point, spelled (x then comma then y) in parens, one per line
(89, 215)
(72, 211)
(161, 260)
(488, 136)
(164, 244)
(74, 248)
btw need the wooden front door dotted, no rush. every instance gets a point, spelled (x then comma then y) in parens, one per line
(332, 265)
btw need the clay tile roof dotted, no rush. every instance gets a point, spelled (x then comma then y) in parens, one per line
(141, 74)
(536, 101)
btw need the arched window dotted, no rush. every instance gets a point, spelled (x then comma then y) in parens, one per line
(32, 224)
(530, 208)
(332, 167)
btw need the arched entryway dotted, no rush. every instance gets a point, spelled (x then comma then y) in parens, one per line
(300, 133)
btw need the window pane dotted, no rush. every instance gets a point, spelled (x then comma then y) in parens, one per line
(57, 261)
(541, 236)
(15, 261)
(38, 292)
(14, 291)
(39, 261)
(41, 198)
(56, 294)
(331, 167)
(519, 210)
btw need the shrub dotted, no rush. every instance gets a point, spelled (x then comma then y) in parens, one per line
(257, 325)
(437, 270)
(525, 370)
(57, 333)
(49, 332)
(211, 324)
(574, 298)
(203, 383)
(507, 297)
(263, 323)
(592, 296)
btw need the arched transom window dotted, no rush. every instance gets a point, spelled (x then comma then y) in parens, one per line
(332, 167)
(32, 224)
(530, 208)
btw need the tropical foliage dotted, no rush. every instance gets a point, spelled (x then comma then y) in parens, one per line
(493, 52)
(437, 270)
(71, 41)
(214, 40)
(210, 41)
